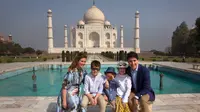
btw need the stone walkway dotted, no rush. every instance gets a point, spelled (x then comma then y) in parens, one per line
(163, 103)
(178, 65)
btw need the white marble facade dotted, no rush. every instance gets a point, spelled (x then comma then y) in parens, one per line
(93, 34)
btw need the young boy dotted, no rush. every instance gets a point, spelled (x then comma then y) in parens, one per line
(93, 88)
(111, 86)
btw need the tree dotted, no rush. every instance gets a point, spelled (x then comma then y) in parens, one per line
(2, 48)
(179, 39)
(125, 55)
(158, 52)
(68, 56)
(197, 37)
(28, 50)
(38, 52)
(16, 49)
(168, 50)
(117, 56)
(121, 55)
(175, 41)
(190, 46)
(63, 56)
(197, 24)
(10, 49)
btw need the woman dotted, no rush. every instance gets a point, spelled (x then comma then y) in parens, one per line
(69, 98)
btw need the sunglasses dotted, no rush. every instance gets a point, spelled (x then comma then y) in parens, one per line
(122, 64)
(95, 69)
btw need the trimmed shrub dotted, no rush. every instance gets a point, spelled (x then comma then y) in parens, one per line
(58, 57)
(44, 59)
(68, 56)
(153, 59)
(175, 60)
(63, 56)
(165, 59)
(108, 54)
(9, 61)
(117, 56)
(125, 56)
(194, 61)
(121, 55)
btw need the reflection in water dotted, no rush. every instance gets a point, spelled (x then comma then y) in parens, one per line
(51, 78)
(34, 78)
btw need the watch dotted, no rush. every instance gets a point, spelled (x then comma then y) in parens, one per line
(136, 97)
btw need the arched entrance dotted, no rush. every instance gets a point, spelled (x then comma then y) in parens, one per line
(80, 44)
(108, 44)
(94, 40)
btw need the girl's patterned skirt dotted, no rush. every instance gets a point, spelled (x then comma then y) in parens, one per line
(120, 107)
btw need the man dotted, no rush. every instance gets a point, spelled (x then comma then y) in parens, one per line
(141, 91)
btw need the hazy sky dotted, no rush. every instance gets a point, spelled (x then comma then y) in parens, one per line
(26, 20)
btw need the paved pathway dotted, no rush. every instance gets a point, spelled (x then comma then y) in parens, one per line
(97, 57)
(163, 103)
(178, 65)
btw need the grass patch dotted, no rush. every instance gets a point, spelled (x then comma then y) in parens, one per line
(10, 59)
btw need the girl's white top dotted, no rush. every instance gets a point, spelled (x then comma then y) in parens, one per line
(125, 87)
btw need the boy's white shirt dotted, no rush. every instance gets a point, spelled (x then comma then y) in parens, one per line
(124, 88)
(93, 85)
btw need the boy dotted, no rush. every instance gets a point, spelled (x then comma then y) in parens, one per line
(93, 88)
(111, 86)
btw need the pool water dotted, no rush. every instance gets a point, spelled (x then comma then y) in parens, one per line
(49, 83)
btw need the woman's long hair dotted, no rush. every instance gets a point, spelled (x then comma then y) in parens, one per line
(74, 63)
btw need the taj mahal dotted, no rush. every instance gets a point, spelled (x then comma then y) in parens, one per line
(93, 34)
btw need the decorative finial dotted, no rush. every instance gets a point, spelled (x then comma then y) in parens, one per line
(137, 12)
(93, 2)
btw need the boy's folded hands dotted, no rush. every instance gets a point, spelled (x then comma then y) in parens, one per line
(92, 101)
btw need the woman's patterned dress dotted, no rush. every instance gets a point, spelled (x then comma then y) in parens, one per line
(75, 79)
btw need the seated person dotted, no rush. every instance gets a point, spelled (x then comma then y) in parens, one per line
(142, 94)
(111, 86)
(124, 89)
(70, 96)
(93, 88)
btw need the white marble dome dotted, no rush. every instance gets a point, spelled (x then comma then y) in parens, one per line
(94, 15)
(107, 23)
(81, 22)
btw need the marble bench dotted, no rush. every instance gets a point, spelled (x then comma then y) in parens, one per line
(196, 66)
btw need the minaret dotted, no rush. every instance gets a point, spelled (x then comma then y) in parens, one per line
(65, 36)
(71, 36)
(137, 33)
(50, 31)
(93, 2)
(121, 37)
(10, 38)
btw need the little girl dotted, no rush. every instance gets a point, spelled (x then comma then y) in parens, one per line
(124, 89)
